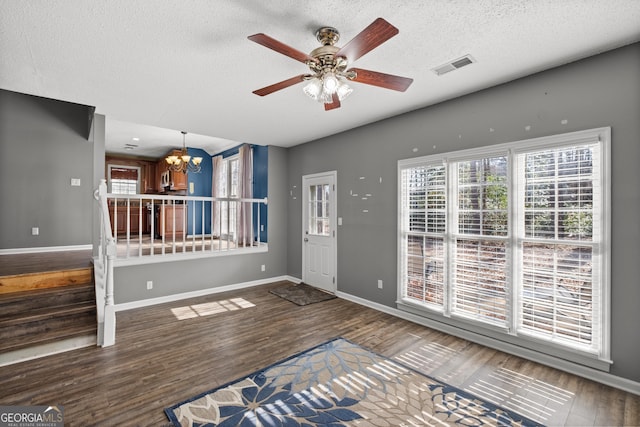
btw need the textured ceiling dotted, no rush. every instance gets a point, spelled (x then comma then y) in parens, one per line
(187, 65)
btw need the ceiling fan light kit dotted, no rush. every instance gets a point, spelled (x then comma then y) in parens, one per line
(328, 63)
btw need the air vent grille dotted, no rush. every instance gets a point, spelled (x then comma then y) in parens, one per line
(453, 65)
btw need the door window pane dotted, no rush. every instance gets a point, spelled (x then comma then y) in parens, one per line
(319, 224)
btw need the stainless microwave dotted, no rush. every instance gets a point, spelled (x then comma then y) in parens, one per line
(165, 179)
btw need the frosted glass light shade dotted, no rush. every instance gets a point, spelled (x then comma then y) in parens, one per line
(330, 83)
(313, 89)
(343, 91)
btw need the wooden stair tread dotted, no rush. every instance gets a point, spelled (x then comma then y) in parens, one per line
(75, 287)
(15, 303)
(41, 291)
(15, 264)
(44, 280)
(45, 298)
(45, 313)
(19, 342)
(38, 308)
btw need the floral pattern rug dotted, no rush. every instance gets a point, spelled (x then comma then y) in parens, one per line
(339, 383)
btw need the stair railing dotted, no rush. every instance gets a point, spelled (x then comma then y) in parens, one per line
(103, 267)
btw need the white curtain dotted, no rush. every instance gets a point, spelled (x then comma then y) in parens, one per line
(245, 191)
(217, 191)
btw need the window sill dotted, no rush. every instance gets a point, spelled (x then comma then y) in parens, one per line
(523, 346)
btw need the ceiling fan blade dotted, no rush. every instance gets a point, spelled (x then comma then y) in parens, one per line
(280, 85)
(334, 104)
(378, 32)
(280, 47)
(387, 81)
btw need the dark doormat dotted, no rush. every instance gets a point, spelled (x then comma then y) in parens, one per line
(302, 294)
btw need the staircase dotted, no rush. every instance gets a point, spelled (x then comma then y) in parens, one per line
(46, 312)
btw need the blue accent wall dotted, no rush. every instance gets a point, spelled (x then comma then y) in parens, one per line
(260, 185)
(201, 187)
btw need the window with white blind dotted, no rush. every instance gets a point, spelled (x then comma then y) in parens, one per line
(512, 238)
(124, 179)
(480, 231)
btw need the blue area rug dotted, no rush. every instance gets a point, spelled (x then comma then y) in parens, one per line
(339, 383)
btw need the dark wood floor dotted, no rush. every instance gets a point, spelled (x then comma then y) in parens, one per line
(44, 261)
(171, 352)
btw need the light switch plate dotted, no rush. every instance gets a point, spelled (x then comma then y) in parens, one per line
(75, 182)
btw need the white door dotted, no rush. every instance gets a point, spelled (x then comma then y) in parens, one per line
(319, 230)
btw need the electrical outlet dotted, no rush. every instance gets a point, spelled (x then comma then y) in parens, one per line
(35, 231)
(379, 284)
(263, 267)
(149, 284)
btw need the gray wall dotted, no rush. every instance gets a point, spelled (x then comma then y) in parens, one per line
(186, 276)
(97, 136)
(46, 141)
(600, 91)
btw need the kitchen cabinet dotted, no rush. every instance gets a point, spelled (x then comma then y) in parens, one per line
(178, 180)
(149, 183)
(118, 219)
(169, 218)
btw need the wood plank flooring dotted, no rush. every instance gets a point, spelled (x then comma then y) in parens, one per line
(44, 261)
(171, 352)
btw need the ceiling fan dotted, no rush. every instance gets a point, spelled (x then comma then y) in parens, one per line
(328, 64)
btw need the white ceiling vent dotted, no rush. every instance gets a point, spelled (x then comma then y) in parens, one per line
(453, 65)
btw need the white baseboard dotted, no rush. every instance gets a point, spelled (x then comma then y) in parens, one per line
(563, 365)
(18, 251)
(177, 297)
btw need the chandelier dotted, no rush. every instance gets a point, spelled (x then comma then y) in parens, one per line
(183, 163)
